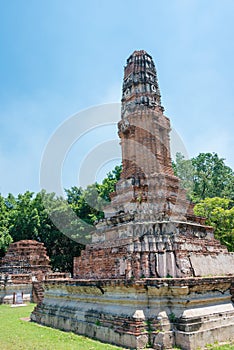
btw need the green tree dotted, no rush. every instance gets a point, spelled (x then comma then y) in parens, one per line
(205, 176)
(61, 244)
(108, 184)
(220, 214)
(85, 204)
(5, 237)
(33, 217)
(212, 178)
(24, 221)
(88, 204)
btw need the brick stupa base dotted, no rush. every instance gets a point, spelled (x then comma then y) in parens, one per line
(117, 298)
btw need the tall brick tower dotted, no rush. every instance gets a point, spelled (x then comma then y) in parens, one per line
(149, 224)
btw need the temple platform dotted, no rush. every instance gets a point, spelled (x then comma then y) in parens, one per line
(161, 313)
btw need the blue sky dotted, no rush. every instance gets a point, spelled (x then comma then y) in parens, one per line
(58, 57)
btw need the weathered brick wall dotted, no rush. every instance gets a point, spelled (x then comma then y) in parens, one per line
(145, 145)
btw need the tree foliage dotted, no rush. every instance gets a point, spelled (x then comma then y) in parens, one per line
(5, 237)
(183, 168)
(210, 184)
(220, 214)
(205, 176)
(212, 178)
(24, 221)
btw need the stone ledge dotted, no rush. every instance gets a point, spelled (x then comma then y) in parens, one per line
(157, 282)
(136, 313)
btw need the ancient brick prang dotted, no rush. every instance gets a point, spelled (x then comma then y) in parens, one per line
(149, 228)
(24, 268)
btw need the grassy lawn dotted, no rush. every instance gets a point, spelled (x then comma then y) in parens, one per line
(219, 347)
(19, 334)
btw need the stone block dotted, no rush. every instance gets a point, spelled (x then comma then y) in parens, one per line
(208, 265)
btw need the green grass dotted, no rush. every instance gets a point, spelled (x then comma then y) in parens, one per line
(20, 334)
(220, 347)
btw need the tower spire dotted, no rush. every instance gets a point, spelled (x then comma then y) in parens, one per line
(143, 129)
(140, 85)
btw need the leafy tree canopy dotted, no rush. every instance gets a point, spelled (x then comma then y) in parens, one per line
(220, 214)
(210, 184)
(205, 176)
(5, 237)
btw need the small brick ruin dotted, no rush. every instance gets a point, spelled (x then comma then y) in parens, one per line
(26, 257)
(23, 269)
(153, 275)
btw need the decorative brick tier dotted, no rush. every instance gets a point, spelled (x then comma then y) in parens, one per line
(184, 254)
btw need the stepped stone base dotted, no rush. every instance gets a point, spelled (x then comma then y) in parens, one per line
(205, 326)
(161, 313)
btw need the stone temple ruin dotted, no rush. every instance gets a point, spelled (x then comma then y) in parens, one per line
(153, 274)
(22, 270)
(26, 257)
